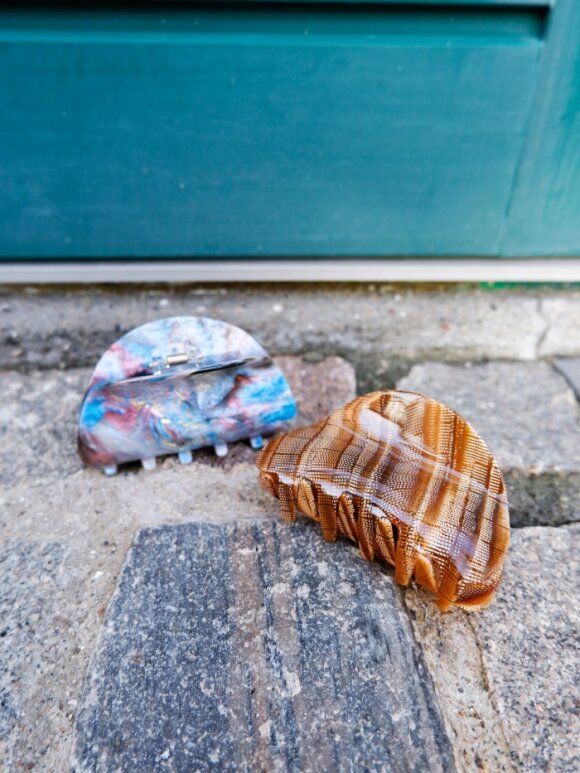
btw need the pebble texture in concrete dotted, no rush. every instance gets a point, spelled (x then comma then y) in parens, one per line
(257, 647)
(34, 644)
(508, 676)
(528, 415)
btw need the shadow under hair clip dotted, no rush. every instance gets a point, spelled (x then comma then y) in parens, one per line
(176, 385)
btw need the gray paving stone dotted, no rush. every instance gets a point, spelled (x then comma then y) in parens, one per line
(378, 327)
(529, 417)
(543, 499)
(256, 647)
(570, 369)
(507, 677)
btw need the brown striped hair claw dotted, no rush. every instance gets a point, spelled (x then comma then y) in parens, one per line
(410, 481)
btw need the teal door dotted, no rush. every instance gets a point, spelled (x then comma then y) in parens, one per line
(267, 129)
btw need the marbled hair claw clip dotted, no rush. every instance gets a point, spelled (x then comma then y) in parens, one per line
(176, 385)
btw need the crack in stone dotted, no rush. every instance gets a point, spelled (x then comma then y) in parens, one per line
(487, 686)
(544, 332)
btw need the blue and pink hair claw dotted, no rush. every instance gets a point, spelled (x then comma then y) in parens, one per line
(177, 385)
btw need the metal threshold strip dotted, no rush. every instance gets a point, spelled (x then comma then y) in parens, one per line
(411, 270)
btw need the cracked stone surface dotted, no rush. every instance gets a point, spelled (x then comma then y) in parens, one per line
(528, 415)
(256, 647)
(507, 678)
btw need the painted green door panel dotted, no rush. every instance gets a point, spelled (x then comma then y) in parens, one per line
(304, 130)
(544, 217)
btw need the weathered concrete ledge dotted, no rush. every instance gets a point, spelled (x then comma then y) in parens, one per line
(378, 328)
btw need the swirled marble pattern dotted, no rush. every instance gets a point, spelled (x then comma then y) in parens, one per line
(179, 384)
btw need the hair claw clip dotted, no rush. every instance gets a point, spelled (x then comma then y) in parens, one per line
(410, 481)
(176, 385)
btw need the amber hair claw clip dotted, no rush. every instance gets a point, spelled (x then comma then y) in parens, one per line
(408, 480)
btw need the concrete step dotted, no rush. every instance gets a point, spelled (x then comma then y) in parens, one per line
(380, 329)
(492, 691)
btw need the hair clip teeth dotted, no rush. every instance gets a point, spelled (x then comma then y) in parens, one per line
(185, 456)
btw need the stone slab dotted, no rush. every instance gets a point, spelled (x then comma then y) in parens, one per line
(320, 387)
(570, 369)
(543, 499)
(256, 647)
(378, 327)
(507, 677)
